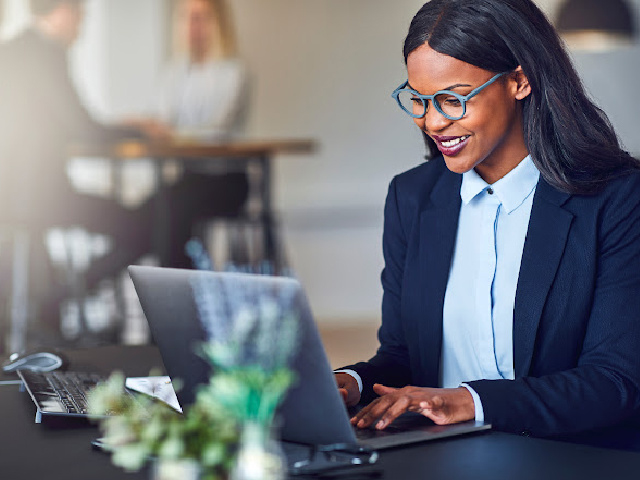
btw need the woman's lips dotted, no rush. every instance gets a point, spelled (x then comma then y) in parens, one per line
(450, 146)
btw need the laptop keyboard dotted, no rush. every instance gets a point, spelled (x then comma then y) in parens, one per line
(59, 393)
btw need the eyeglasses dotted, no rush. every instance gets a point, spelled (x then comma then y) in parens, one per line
(450, 104)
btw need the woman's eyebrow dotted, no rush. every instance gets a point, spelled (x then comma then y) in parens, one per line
(451, 87)
(456, 86)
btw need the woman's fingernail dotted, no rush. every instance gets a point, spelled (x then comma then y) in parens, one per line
(380, 424)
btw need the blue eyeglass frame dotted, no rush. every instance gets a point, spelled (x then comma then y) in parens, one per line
(425, 98)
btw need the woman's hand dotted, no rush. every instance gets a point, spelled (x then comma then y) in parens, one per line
(442, 405)
(348, 388)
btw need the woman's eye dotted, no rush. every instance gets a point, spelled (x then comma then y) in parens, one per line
(451, 101)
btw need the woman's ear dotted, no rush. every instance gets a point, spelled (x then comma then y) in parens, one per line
(521, 85)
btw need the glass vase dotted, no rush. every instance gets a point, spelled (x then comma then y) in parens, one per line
(179, 469)
(260, 456)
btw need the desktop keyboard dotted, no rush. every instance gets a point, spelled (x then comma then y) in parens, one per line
(59, 393)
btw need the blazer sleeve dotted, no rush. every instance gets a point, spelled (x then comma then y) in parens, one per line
(604, 387)
(390, 365)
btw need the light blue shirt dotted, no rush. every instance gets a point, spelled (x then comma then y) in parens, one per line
(477, 338)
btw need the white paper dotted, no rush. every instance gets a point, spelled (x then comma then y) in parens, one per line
(157, 387)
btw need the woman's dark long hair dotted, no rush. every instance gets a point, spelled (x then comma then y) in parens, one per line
(570, 140)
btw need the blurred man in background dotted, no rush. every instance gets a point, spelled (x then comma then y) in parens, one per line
(41, 115)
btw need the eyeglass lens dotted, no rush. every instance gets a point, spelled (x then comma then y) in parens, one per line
(448, 104)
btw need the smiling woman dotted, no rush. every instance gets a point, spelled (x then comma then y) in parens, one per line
(572, 141)
(512, 257)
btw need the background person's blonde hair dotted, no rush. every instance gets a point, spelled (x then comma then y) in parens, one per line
(223, 41)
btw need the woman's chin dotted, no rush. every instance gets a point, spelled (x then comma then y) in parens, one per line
(458, 166)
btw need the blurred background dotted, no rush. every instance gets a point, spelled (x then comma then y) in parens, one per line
(322, 70)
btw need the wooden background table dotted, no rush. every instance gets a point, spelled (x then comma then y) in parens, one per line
(237, 153)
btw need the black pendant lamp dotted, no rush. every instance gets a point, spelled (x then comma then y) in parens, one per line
(597, 25)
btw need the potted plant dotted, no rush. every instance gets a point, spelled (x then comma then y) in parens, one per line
(199, 443)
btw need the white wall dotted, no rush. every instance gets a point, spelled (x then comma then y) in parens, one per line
(117, 59)
(326, 70)
(14, 17)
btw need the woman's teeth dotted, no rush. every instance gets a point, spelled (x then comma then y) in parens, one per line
(454, 142)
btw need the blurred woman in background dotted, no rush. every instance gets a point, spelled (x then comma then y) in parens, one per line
(201, 97)
(202, 90)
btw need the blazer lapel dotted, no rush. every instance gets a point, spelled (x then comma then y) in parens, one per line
(438, 227)
(544, 246)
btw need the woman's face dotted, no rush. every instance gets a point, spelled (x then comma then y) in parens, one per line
(490, 136)
(199, 24)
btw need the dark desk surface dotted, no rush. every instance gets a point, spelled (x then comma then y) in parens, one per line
(29, 451)
(32, 451)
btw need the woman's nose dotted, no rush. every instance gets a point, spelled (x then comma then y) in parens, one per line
(433, 121)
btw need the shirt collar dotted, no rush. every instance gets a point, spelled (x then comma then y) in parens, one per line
(512, 189)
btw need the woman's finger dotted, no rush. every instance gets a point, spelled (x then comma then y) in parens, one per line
(374, 411)
(382, 390)
(397, 408)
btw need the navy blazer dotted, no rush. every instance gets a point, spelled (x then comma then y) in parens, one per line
(576, 327)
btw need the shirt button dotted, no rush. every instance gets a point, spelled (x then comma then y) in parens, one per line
(525, 433)
(490, 191)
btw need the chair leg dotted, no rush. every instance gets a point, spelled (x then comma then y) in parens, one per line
(75, 279)
(19, 292)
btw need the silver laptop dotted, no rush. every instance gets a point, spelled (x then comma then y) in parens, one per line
(312, 411)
